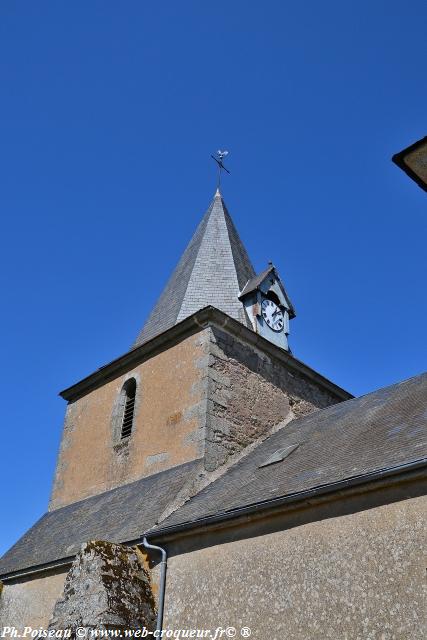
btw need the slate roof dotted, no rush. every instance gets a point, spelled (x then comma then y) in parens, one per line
(383, 429)
(119, 515)
(254, 282)
(211, 272)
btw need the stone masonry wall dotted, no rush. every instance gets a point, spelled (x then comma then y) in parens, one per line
(248, 394)
(30, 601)
(210, 395)
(170, 408)
(359, 576)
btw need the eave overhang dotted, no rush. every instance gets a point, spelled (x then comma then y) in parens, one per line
(366, 482)
(413, 161)
(209, 316)
(413, 471)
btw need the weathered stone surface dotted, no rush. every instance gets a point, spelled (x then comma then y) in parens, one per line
(167, 385)
(107, 587)
(30, 601)
(248, 394)
(353, 576)
(212, 382)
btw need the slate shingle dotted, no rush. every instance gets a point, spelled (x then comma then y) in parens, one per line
(383, 429)
(211, 272)
(119, 515)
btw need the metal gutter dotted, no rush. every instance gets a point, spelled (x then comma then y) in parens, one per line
(162, 586)
(298, 496)
(257, 507)
(38, 568)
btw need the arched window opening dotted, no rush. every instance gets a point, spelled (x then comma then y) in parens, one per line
(274, 298)
(129, 407)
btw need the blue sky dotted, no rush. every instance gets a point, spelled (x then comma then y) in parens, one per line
(109, 112)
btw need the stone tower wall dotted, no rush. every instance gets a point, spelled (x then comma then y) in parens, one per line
(169, 401)
(249, 393)
(210, 395)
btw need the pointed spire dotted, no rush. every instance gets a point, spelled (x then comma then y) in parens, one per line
(212, 271)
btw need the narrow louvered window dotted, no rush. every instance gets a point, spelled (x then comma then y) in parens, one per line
(129, 407)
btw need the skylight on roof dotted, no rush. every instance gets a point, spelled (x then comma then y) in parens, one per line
(279, 455)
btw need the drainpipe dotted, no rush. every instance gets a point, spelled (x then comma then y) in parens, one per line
(161, 602)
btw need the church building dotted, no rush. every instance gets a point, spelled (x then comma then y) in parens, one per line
(209, 480)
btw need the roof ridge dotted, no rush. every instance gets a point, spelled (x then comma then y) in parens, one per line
(205, 220)
(187, 259)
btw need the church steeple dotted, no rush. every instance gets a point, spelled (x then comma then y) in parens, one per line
(212, 271)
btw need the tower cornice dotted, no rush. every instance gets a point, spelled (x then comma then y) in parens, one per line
(202, 319)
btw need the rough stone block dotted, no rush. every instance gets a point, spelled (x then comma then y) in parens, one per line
(107, 587)
(250, 393)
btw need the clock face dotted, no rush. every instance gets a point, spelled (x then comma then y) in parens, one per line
(272, 315)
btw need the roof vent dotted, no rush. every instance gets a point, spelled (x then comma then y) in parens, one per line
(279, 455)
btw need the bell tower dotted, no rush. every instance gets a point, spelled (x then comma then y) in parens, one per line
(209, 373)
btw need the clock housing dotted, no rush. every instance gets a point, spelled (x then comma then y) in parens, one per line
(268, 307)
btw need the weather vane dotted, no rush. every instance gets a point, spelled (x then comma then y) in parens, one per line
(219, 157)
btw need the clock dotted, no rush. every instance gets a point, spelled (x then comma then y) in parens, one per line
(272, 315)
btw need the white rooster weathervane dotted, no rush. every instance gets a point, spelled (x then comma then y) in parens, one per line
(219, 157)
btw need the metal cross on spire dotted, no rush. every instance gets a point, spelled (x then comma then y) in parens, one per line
(219, 157)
